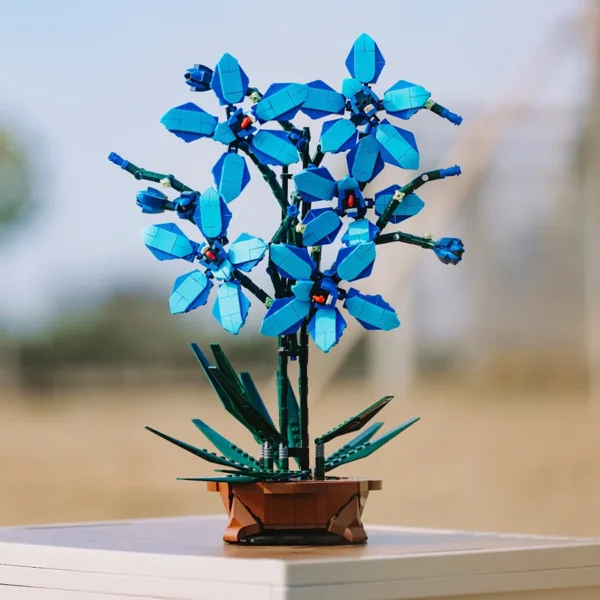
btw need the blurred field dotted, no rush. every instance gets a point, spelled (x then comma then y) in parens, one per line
(506, 463)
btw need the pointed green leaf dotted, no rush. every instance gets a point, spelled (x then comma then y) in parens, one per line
(225, 447)
(257, 424)
(362, 438)
(205, 454)
(210, 372)
(356, 422)
(226, 369)
(369, 447)
(254, 396)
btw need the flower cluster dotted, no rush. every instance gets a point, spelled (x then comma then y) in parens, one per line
(304, 293)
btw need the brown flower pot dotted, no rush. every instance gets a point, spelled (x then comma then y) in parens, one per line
(296, 512)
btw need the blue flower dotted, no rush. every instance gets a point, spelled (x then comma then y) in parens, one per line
(167, 242)
(238, 131)
(369, 137)
(315, 295)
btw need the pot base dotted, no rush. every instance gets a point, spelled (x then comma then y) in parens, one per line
(295, 513)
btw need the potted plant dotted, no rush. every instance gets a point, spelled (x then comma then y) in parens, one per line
(284, 495)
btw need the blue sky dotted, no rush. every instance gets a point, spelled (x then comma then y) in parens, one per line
(82, 79)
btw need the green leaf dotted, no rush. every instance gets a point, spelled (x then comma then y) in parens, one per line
(254, 396)
(225, 447)
(362, 438)
(368, 448)
(200, 452)
(356, 422)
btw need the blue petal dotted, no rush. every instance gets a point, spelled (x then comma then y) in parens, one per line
(302, 289)
(284, 316)
(322, 227)
(167, 242)
(231, 307)
(229, 81)
(315, 183)
(372, 312)
(212, 215)
(355, 262)
(364, 160)
(351, 87)
(338, 135)
(223, 271)
(224, 134)
(292, 262)
(280, 102)
(404, 99)
(231, 175)
(326, 327)
(322, 101)
(398, 146)
(365, 61)
(360, 231)
(274, 148)
(408, 207)
(189, 292)
(189, 122)
(246, 252)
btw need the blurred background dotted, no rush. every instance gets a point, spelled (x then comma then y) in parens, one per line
(500, 356)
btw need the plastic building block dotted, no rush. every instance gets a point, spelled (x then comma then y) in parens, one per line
(364, 160)
(281, 101)
(229, 81)
(360, 231)
(231, 176)
(355, 262)
(315, 183)
(372, 312)
(321, 226)
(198, 78)
(338, 136)
(274, 148)
(189, 122)
(365, 61)
(322, 100)
(282, 493)
(212, 215)
(398, 146)
(190, 292)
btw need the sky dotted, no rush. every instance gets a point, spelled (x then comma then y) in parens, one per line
(79, 80)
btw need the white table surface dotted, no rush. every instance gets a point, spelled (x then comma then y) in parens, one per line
(185, 559)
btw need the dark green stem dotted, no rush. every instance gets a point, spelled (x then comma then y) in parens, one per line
(282, 393)
(409, 188)
(268, 175)
(318, 157)
(247, 283)
(407, 238)
(319, 460)
(143, 174)
(283, 229)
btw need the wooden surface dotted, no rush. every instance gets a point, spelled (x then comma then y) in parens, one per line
(185, 559)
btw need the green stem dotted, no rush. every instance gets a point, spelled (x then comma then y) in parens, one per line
(407, 238)
(282, 231)
(143, 174)
(247, 283)
(409, 188)
(268, 175)
(282, 393)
